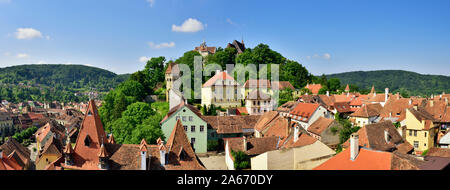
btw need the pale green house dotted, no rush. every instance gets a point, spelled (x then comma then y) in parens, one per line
(194, 126)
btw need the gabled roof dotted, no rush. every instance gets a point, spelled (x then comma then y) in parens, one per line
(265, 119)
(314, 88)
(179, 141)
(368, 159)
(303, 140)
(179, 107)
(218, 76)
(423, 115)
(281, 85)
(231, 124)
(372, 136)
(288, 106)
(304, 111)
(320, 125)
(368, 110)
(9, 163)
(21, 151)
(342, 107)
(255, 146)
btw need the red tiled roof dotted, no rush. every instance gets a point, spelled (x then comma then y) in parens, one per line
(218, 76)
(320, 125)
(314, 88)
(304, 110)
(366, 160)
(368, 110)
(91, 130)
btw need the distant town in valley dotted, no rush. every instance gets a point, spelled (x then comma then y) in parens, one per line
(301, 122)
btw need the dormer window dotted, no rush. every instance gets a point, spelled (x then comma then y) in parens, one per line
(87, 141)
(89, 113)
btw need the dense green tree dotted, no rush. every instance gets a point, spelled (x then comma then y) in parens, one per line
(334, 84)
(295, 73)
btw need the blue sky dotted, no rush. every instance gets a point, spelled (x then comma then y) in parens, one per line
(326, 36)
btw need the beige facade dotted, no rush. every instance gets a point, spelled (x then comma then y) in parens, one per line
(298, 158)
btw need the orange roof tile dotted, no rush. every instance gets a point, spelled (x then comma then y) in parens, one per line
(314, 88)
(366, 160)
(304, 110)
(218, 76)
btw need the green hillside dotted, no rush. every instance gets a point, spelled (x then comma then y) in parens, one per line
(397, 81)
(54, 82)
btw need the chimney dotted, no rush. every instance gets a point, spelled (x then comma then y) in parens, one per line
(410, 101)
(296, 133)
(386, 94)
(348, 94)
(390, 114)
(354, 146)
(288, 126)
(245, 143)
(328, 93)
(144, 160)
(431, 103)
(162, 156)
(386, 135)
(446, 101)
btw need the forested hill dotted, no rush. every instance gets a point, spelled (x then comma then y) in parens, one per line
(397, 81)
(72, 76)
(56, 82)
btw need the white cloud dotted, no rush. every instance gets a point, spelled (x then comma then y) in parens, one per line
(144, 59)
(190, 25)
(151, 2)
(22, 56)
(325, 56)
(27, 33)
(161, 45)
(229, 21)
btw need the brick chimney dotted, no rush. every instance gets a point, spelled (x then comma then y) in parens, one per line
(354, 146)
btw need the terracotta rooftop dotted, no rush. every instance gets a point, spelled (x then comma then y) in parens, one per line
(370, 160)
(320, 125)
(231, 124)
(373, 136)
(287, 107)
(22, 153)
(218, 76)
(314, 88)
(255, 146)
(368, 110)
(303, 111)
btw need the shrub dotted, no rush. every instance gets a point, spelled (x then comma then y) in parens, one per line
(212, 145)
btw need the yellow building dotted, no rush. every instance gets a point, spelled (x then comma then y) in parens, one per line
(420, 129)
(51, 152)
